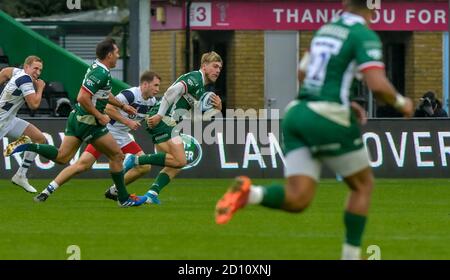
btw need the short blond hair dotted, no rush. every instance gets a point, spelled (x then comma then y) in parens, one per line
(211, 56)
(32, 58)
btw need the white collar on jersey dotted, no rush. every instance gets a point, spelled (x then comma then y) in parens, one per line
(203, 76)
(353, 17)
(140, 92)
(101, 64)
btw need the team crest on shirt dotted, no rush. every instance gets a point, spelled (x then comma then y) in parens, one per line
(89, 82)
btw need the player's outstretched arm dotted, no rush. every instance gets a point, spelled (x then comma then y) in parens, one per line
(122, 106)
(379, 84)
(114, 114)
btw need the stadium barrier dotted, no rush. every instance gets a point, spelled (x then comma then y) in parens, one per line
(398, 149)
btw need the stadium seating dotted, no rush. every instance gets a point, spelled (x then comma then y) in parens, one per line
(57, 99)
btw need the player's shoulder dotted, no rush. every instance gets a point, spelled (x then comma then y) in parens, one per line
(362, 31)
(98, 74)
(17, 71)
(192, 79)
(98, 70)
(132, 90)
(20, 77)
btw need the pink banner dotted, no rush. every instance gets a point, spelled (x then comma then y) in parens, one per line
(277, 15)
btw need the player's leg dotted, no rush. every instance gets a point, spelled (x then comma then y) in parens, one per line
(176, 156)
(139, 170)
(128, 146)
(358, 176)
(28, 158)
(163, 179)
(302, 173)
(130, 176)
(20, 128)
(75, 131)
(169, 139)
(109, 147)
(85, 162)
(61, 155)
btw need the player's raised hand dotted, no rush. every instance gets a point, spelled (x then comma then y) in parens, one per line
(39, 84)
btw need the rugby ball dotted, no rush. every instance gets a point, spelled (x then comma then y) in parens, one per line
(206, 103)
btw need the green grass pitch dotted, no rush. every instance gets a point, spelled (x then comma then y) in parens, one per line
(409, 219)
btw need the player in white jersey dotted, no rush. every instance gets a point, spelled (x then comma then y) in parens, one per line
(23, 86)
(142, 99)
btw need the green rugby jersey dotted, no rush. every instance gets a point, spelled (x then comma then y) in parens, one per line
(97, 81)
(194, 89)
(339, 51)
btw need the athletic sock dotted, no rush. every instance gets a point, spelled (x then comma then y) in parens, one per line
(273, 197)
(118, 179)
(48, 151)
(157, 159)
(28, 159)
(51, 188)
(160, 182)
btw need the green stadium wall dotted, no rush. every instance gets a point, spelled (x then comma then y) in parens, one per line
(18, 41)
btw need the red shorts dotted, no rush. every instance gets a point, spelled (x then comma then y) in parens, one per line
(130, 148)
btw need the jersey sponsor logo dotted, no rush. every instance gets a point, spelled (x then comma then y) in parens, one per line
(192, 149)
(190, 99)
(157, 138)
(94, 79)
(190, 82)
(89, 82)
(375, 54)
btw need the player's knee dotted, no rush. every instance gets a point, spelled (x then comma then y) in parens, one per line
(364, 186)
(41, 139)
(297, 202)
(117, 157)
(297, 206)
(143, 169)
(181, 163)
(62, 160)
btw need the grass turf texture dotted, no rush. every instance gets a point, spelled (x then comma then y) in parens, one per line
(409, 219)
